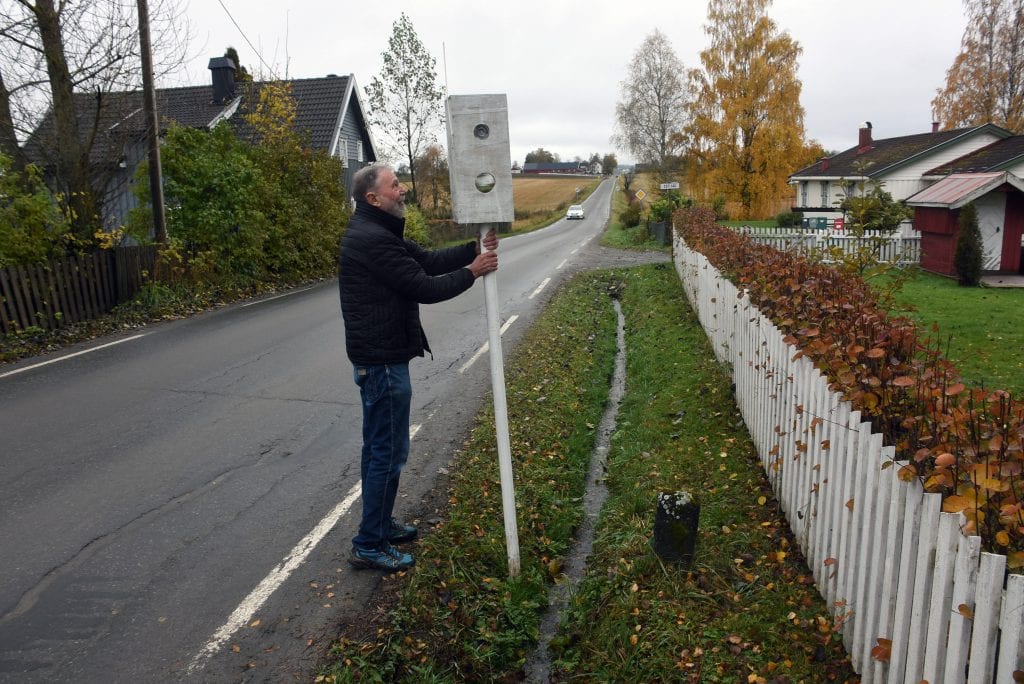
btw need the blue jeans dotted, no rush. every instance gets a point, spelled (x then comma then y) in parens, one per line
(386, 393)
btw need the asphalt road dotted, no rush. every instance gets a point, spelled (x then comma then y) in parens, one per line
(176, 503)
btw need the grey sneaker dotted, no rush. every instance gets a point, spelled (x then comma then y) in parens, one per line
(401, 533)
(389, 559)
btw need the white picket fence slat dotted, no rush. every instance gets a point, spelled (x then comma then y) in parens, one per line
(889, 563)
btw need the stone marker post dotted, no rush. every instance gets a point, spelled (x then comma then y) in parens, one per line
(675, 527)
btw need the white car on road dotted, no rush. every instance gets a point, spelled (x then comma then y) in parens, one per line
(575, 212)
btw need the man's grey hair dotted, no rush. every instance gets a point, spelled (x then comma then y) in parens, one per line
(365, 180)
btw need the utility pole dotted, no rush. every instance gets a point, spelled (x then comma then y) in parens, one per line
(156, 186)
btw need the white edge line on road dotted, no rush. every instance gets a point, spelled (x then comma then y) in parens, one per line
(270, 299)
(487, 345)
(68, 356)
(561, 264)
(540, 288)
(248, 607)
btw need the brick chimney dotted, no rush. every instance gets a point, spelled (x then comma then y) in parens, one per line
(864, 140)
(935, 126)
(824, 163)
(223, 79)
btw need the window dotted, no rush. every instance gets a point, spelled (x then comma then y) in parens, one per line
(359, 151)
(343, 151)
(803, 193)
(824, 194)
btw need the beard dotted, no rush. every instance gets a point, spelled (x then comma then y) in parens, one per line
(395, 208)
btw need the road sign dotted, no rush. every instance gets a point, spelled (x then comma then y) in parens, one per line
(640, 194)
(669, 186)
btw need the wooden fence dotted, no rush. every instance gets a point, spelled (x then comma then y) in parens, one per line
(898, 575)
(63, 292)
(896, 249)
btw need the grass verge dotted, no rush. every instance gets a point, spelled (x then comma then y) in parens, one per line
(981, 327)
(748, 609)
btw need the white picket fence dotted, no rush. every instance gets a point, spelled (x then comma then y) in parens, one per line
(899, 249)
(888, 562)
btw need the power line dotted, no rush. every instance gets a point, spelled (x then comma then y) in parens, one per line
(246, 38)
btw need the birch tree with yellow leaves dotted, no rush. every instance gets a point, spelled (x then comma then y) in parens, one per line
(985, 84)
(747, 130)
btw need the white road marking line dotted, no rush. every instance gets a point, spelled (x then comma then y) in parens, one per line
(248, 607)
(270, 299)
(68, 356)
(561, 264)
(543, 284)
(413, 429)
(487, 345)
(574, 251)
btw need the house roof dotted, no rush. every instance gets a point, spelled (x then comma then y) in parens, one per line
(997, 156)
(888, 154)
(118, 118)
(958, 189)
(553, 166)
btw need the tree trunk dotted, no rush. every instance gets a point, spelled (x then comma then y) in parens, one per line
(412, 169)
(72, 157)
(8, 138)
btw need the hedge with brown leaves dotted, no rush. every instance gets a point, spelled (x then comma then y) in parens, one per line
(965, 443)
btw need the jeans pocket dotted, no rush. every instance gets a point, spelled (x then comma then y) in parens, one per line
(372, 382)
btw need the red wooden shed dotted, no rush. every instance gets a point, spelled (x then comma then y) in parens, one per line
(999, 199)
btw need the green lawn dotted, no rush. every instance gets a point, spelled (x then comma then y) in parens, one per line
(981, 328)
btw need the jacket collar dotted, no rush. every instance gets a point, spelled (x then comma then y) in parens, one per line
(380, 217)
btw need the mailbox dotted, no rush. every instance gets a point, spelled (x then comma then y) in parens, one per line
(479, 159)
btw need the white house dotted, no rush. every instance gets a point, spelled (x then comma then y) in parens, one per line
(901, 164)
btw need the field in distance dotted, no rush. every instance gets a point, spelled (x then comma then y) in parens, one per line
(540, 200)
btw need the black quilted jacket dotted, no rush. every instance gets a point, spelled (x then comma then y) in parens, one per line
(383, 278)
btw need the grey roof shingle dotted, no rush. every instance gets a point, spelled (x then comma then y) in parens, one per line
(118, 118)
(317, 107)
(888, 153)
(995, 157)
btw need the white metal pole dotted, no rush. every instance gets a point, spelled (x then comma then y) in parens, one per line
(508, 495)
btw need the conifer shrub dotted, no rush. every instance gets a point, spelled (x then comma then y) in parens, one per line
(967, 260)
(630, 216)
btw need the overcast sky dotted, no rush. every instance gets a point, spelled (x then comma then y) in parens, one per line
(561, 63)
